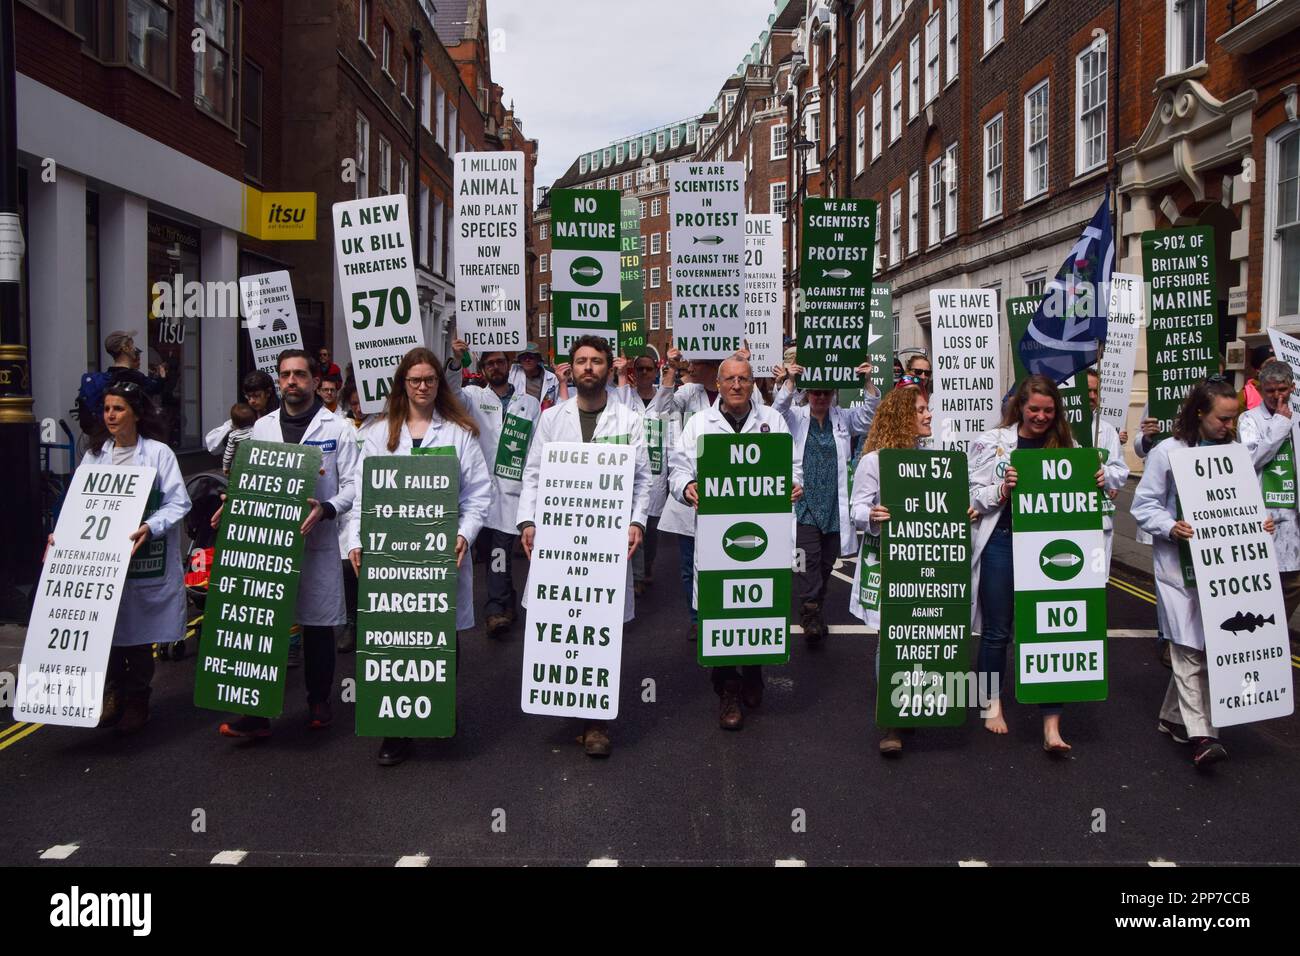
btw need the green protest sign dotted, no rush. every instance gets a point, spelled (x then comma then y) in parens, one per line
(744, 538)
(406, 599)
(654, 443)
(512, 447)
(880, 347)
(151, 560)
(632, 328)
(925, 598)
(587, 282)
(1182, 316)
(1074, 390)
(1059, 556)
(835, 266)
(253, 584)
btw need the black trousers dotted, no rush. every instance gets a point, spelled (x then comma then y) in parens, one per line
(318, 662)
(746, 673)
(350, 591)
(501, 596)
(130, 670)
(820, 551)
(643, 562)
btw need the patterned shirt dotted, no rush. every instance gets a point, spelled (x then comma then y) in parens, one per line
(820, 506)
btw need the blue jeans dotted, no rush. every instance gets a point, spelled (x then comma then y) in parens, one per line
(997, 612)
(686, 564)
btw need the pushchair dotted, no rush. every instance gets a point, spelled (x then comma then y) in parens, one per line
(205, 490)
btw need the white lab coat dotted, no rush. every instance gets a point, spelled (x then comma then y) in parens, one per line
(344, 529)
(560, 424)
(1263, 434)
(990, 456)
(659, 410)
(550, 385)
(214, 439)
(866, 495)
(473, 502)
(484, 405)
(846, 422)
(153, 609)
(1116, 469)
(320, 586)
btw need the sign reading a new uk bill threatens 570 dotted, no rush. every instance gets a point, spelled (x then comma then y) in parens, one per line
(491, 302)
(270, 317)
(967, 399)
(406, 602)
(586, 267)
(1059, 555)
(835, 267)
(707, 208)
(65, 656)
(253, 587)
(1237, 584)
(743, 545)
(577, 582)
(372, 251)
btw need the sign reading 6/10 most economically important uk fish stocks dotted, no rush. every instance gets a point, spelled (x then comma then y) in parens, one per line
(835, 267)
(489, 246)
(707, 206)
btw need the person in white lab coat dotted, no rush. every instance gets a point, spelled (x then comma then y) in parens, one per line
(422, 416)
(590, 416)
(823, 443)
(152, 610)
(733, 413)
(1110, 442)
(350, 399)
(504, 455)
(303, 419)
(1206, 418)
(653, 404)
(259, 392)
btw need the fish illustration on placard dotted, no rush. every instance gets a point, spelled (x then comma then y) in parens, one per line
(836, 273)
(1246, 621)
(708, 240)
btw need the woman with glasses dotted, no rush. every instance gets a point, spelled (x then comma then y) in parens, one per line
(423, 417)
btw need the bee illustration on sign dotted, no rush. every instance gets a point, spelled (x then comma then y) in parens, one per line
(1243, 621)
(744, 541)
(1061, 560)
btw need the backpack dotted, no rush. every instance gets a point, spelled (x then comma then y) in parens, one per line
(89, 406)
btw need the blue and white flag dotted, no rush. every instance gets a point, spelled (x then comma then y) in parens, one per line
(1070, 325)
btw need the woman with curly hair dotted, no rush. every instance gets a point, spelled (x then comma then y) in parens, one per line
(902, 421)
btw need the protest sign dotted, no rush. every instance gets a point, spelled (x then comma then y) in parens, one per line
(577, 583)
(744, 537)
(1123, 326)
(586, 274)
(271, 318)
(967, 398)
(707, 237)
(764, 299)
(1243, 615)
(376, 271)
(253, 585)
(491, 288)
(1059, 555)
(835, 265)
(1182, 316)
(632, 325)
(70, 632)
(1287, 349)
(1074, 390)
(925, 603)
(406, 600)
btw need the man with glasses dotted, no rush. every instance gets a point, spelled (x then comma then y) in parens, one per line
(506, 420)
(530, 376)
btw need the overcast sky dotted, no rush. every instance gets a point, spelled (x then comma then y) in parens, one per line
(585, 72)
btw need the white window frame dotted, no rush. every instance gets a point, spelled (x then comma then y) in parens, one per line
(385, 152)
(934, 221)
(877, 23)
(362, 145)
(877, 121)
(543, 232)
(776, 197)
(994, 164)
(1101, 82)
(582, 165)
(914, 77)
(861, 40)
(895, 227)
(995, 23)
(656, 207)
(426, 97)
(544, 292)
(1180, 17)
(952, 181)
(780, 141)
(1030, 167)
(654, 316)
(1271, 297)
(896, 102)
(933, 63)
(403, 175)
(913, 212)
(656, 243)
(543, 325)
(439, 116)
(860, 142)
(544, 263)
(656, 277)
(363, 21)
(953, 39)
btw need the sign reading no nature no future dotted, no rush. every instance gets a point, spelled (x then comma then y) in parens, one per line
(707, 235)
(586, 267)
(489, 244)
(835, 267)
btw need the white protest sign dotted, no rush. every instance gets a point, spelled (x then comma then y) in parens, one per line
(65, 657)
(577, 583)
(764, 323)
(1123, 329)
(967, 397)
(1287, 349)
(270, 317)
(707, 203)
(491, 303)
(376, 270)
(1247, 649)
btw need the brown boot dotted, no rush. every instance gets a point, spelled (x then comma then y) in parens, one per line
(595, 741)
(731, 717)
(135, 714)
(111, 711)
(814, 628)
(497, 625)
(890, 742)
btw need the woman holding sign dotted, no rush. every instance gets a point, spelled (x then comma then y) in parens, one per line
(421, 418)
(153, 601)
(901, 421)
(1034, 418)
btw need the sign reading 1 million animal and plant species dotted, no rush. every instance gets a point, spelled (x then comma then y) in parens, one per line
(491, 287)
(406, 602)
(1059, 556)
(836, 262)
(587, 278)
(253, 585)
(707, 215)
(1182, 316)
(1074, 390)
(743, 545)
(925, 598)
(74, 614)
(632, 333)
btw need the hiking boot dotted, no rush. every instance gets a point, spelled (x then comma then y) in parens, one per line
(111, 712)
(890, 742)
(135, 714)
(322, 715)
(1206, 751)
(497, 625)
(731, 716)
(595, 741)
(246, 726)
(1170, 729)
(814, 628)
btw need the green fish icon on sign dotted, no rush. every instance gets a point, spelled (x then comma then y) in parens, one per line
(708, 240)
(586, 271)
(836, 273)
(745, 541)
(1061, 560)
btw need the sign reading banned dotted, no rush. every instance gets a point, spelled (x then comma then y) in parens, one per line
(586, 266)
(1059, 555)
(253, 587)
(406, 599)
(489, 245)
(967, 398)
(743, 543)
(270, 317)
(1240, 595)
(764, 298)
(577, 583)
(925, 603)
(836, 261)
(707, 230)
(65, 655)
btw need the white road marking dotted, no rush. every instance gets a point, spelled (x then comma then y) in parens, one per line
(229, 858)
(60, 852)
(414, 860)
(602, 861)
(789, 862)
(836, 629)
(971, 863)
(1159, 862)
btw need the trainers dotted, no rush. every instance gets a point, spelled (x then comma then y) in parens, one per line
(322, 715)
(891, 743)
(246, 726)
(295, 654)
(1206, 751)
(1177, 731)
(135, 714)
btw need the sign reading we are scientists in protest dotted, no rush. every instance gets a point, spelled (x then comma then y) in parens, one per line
(253, 586)
(65, 656)
(743, 543)
(489, 245)
(586, 267)
(1242, 612)
(835, 267)
(271, 318)
(376, 270)
(707, 205)
(577, 582)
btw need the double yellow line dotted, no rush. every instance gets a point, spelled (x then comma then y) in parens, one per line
(16, 732)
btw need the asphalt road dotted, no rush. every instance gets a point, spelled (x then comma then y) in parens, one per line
(517, 789)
